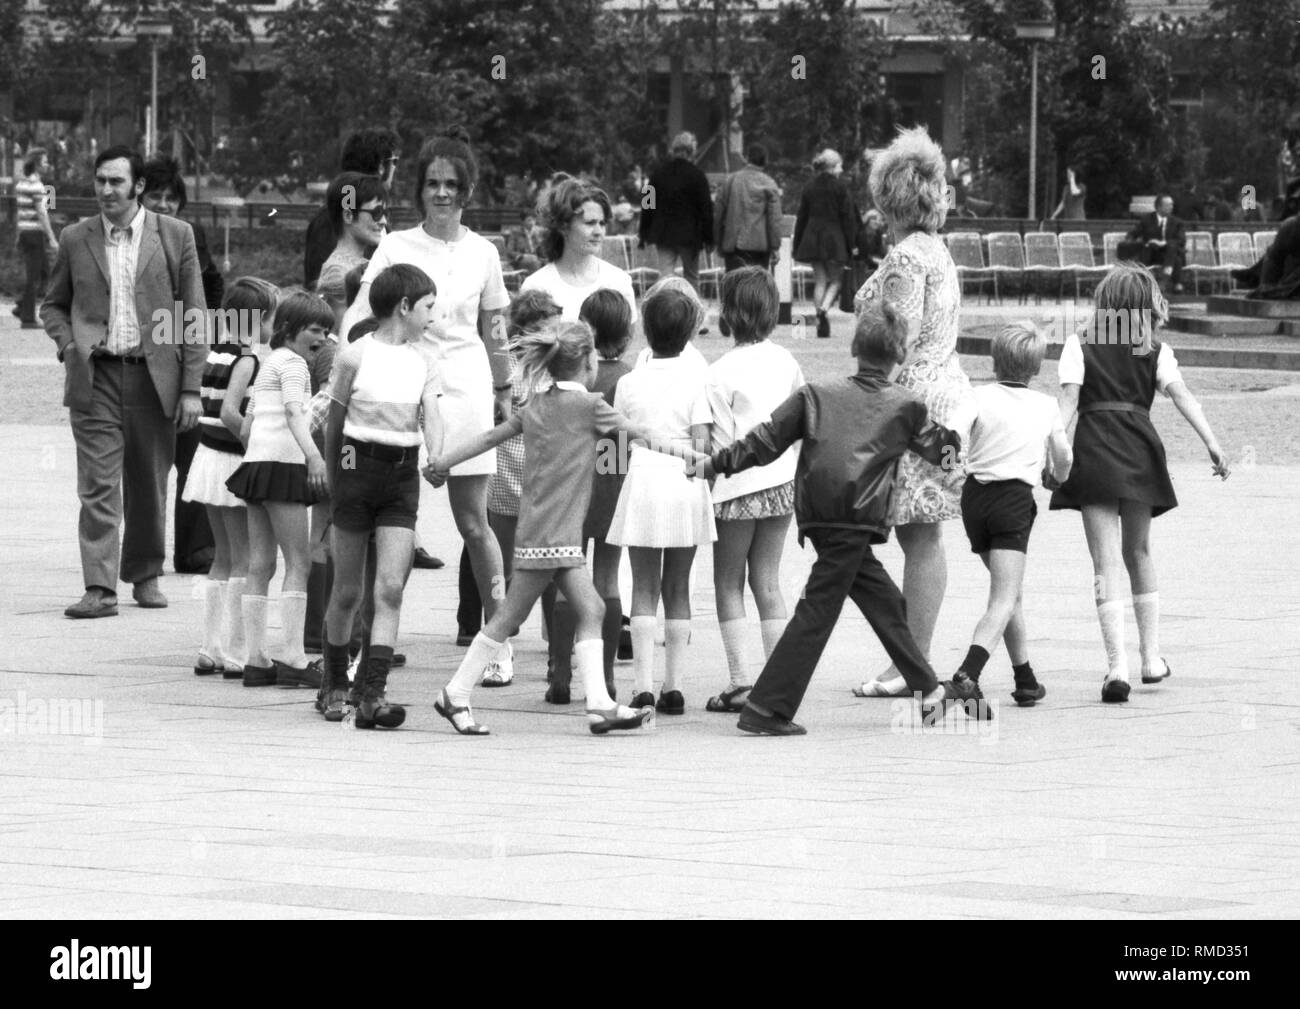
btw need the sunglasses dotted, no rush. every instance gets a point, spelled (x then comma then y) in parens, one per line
(378, 213)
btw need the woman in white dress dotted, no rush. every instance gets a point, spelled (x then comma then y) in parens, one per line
(469, 334)
(576, 216)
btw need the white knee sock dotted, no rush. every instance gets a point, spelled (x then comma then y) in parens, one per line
(589, 657)
(233, 649)
(213, 606)
(1110, 615)
(643, 653)
(293, 620)
(771, 631)
(254, 611)
(676, 634)
(735, 638)
(1146, 610)
(481, 651)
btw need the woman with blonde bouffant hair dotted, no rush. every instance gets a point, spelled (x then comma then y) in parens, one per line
(917, 277)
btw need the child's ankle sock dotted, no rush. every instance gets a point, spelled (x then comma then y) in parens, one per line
(1024, 674)
(214, 602)
(734, 639)
(643, 654)
(233, 647)
(293, 615)
(254, 617)
(610, 629)
(336, 664)
(1110, 615)
(1146, 611)
(676, 634)
(771, 631)
(481, 651)
(973, 664)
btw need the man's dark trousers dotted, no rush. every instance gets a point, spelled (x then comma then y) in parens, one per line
(845, 568)
(32, 246)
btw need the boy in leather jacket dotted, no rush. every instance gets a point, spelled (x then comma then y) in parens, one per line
(854, 431)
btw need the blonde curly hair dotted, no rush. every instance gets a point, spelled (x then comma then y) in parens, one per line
(908, 181)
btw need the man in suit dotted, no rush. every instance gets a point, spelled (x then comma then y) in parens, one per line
(747, 215)
(678, 220)
(132, 371)
(1162, 242)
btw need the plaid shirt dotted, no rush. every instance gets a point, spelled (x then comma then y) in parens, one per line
(122, 248)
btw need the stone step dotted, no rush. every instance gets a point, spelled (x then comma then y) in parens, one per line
(1217, 324)
(1254, 308)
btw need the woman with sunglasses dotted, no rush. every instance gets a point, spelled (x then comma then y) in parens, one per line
(468, 335)
(355, 203)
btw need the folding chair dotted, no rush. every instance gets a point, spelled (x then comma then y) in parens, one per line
(1263, 239)
(1077, 261)
(643, 269)
(1110, 242)
(1043, 260)
(1201, 261)
(710, 275)
(613, 250)
(967, 251)
(1007, 257)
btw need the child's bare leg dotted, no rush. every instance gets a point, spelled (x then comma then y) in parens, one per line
(1006, 573)
(604, 563)
(1016, 637)
(1101, 529)
(647, 563)
(677, 624)
(1135, 532)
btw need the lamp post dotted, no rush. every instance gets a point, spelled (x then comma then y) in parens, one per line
(153, 29)
(1035, 31)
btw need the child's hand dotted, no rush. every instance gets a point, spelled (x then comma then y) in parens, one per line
(1049, 480)
(435, 473)
(316, 476)
(1220, 462)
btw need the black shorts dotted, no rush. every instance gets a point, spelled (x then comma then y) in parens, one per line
(998, 515)
(374, 492)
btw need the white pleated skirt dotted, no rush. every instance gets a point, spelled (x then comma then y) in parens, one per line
(206, 482)
(660, 506)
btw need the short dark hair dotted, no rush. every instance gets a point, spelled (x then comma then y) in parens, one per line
(757, 155)
(298, 311)
(750, 303)
(401, 280)
(33, 159)
(529, 310)
(364, 189)
(366, 150)
(122, 151)
(352, 283)
(162, 172)
(610, 318)
(881, 335)
(669, 318)
(452, 146)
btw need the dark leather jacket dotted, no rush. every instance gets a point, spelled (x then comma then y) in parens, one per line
(854, 431)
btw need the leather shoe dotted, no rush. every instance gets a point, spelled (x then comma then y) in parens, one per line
(424, 559)
(768, 725)
(148, 596)
(95, 603)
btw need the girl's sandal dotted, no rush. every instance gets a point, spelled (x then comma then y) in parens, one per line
(726, 703)
(461, 719)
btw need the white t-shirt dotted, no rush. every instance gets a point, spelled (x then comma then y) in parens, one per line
(386, 385)
(666, 394)
(690, 357)
(570, 297)
(1009, 438)
(744, 386)
(1071, 366)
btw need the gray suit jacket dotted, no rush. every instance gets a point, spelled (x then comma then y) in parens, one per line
(76, 307)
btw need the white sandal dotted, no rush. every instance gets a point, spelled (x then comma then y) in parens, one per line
(882, 688)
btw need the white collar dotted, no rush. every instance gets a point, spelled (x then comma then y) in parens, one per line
(571, 386)
(135, 219)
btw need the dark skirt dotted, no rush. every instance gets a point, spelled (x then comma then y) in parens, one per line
(260, 482)
(1117, 456)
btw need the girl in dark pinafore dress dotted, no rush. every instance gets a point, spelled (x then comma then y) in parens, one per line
(1120, 479)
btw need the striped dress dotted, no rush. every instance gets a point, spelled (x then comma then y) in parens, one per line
(220, 451)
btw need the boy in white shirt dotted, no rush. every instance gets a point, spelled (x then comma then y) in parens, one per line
(1015, 429)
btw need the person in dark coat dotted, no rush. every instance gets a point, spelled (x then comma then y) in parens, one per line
(164, 193)
(824, 233)
(678, 220)
(1277, 275)
(1163, 242)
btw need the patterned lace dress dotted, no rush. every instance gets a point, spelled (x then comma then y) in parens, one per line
(918, 278)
